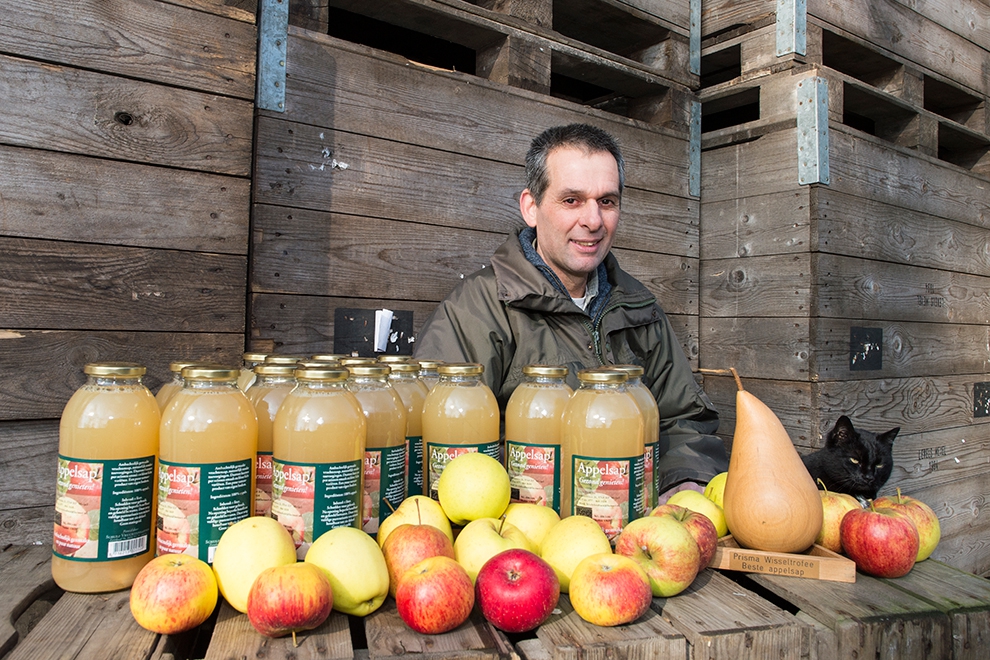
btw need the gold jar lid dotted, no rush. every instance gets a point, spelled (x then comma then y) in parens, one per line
(632, 370)
(118, 369)
(405, 367)
(254, 357)
(546, 370)
(213, 372)
(287, 370)
(326, 374)
(393, 358)
(461, 369)
(329, 357)
(607, 376)
(316, 364)
(430, 365)
(356, 360)
(179, 365)
(285, 359)
(369, 370)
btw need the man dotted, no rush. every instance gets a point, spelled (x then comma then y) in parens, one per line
(555, 295)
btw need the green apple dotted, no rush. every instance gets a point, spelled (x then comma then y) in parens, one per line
(416, 510)
(534, 520)
(482, 539)
(356, 568)
(715, 490)
(570, 541)
(473, 486)
(692, 499)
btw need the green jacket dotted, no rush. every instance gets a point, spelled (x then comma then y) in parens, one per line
(512, 314)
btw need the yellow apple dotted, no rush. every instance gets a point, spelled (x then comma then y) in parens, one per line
(356, 568)
(416, 510)
(834, 507)
(473, 486)
(173, 593)
(692, 499)
(715, 490)
(482, 539)
(534, 520)
(610, 590)
(245, 549)
(570, 541)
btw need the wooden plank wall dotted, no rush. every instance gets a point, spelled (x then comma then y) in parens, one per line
(386, 181)
(896, 243)
(125, 147)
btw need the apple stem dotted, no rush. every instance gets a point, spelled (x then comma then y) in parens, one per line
(899, 500)
(823, 485)
(295, 642)
(872, 508)
(501, 524)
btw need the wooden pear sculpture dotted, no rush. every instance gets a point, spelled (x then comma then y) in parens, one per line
(771, 502)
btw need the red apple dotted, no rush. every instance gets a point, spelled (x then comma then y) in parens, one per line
(517, 590)
(665, 549)
(834, 508)
(173, 593)
(925, 520)
(701, 527)
(610, 590)
(435, 596)
(407, 545)
(288, 599)
(883, 542)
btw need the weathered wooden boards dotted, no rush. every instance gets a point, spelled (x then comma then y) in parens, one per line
(126, 144)
(385, 181)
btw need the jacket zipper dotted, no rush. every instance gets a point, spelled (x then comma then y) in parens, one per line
(595, 328)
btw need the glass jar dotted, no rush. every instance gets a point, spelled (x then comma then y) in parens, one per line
(274, 383)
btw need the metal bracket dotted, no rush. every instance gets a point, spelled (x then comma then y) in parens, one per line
(812, 131)
(694, 152)
(273, 30)
(694, 38)
(792, 27)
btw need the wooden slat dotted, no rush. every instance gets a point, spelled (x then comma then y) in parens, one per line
(83, 627)
(31, 526)
(772, 348)
(462, 115)
(234, 638)
(774, 286)
(27, 574)
(389, 637)
(139, 39)
(926, 460)
(761, 225)
(51, 284)
(792, 401)
(77, 198)
(78, 111)
(39, 370)
(720, 619)
(961, 507)
(27, 464)
(967, 18)
(241, 10)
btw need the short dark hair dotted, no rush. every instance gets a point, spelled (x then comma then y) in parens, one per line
(584, 136)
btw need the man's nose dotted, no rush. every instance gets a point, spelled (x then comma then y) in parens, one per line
(592, 216)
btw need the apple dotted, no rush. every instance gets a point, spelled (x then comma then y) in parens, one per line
(416, 510)
(245, 549)
(288, 599)
(408, 545)
(696, 501)
(699, 525)
(925, 520)
(882, 541)
(356, 568)
(610, 590)
(473, 486)
(173, 593)
(482, 539)
(534, 520)
(665, 549)
(570, 541)
(834, 507)
(517, 591)
(715, 489)
(435, 596)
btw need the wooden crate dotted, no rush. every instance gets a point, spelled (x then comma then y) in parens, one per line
(126, 146)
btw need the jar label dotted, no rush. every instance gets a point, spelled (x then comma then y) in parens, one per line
(438, 456)
(384, 481)
(197, 502)
(310, 499)
(263, 484)
(534, 473)
(608, 490)
(103, 508)
(649, 481)
(414, 465)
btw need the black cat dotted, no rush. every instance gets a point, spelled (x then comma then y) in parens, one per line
(852, 461)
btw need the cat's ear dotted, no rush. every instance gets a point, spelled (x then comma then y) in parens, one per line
(842, 433)
(888, 437)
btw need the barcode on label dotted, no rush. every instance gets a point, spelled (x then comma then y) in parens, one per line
(116, 549)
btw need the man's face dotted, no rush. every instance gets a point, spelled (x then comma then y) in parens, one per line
(576, 222)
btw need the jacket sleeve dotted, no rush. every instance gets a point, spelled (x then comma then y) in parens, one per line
(689, 448)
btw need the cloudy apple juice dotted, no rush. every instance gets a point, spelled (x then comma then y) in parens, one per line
(404, 378)
(274, 382)
(651, 431)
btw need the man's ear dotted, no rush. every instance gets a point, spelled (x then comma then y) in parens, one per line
(528, 207)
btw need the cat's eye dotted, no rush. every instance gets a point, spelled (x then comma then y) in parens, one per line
(854, 461)
(879, 466)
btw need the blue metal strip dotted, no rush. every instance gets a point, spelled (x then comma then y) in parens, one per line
(792, 27)
(694, 154)
(812, 131)
(273, 32)
(694, 41)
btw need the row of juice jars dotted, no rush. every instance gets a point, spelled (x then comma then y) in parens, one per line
(321, 444)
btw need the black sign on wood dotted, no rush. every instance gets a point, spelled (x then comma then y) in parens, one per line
(354, 332)
(981, 399)
(865, 349)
